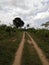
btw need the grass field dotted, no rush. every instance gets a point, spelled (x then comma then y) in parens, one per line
(30, 56)
(9, 42)
(42, 39)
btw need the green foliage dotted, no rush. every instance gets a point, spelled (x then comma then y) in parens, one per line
(41, 36)
(9, 42)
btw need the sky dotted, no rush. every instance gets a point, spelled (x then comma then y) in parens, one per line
(33, 12)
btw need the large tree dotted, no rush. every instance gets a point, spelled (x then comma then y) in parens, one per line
(18, 22)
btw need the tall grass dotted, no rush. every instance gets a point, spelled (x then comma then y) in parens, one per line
(9, 42)
(41, 36)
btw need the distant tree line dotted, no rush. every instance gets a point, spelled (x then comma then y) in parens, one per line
(18, 23)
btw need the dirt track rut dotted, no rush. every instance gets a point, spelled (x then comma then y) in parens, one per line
(18, 55)
(39, 51)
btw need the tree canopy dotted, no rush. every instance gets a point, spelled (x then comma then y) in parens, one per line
(18, 22)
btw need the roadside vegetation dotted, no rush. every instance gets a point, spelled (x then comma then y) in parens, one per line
(30, 57)
(9, 42)
(10, 39)
(41, 36)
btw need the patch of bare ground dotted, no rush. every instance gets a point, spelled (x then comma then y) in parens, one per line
(40, 53)
(18, 55)
(12, 39)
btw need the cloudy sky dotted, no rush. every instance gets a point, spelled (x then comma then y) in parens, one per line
(34, 12)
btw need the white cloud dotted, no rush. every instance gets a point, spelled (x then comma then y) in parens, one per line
(28, 10)
(42, 15)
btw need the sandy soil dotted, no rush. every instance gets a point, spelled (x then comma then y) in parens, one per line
(40, 53)
(18, 54)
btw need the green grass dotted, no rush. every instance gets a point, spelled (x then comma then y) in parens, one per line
(30, 56)
(8, 47)
(42, 39)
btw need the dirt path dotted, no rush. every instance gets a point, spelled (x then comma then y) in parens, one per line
(18, 54)
(39, 52)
